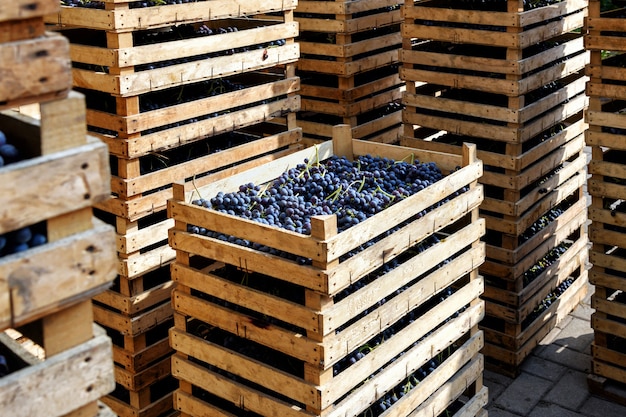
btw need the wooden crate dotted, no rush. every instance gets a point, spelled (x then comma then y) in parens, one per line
(24, 19)
(118, 18)
(507, 26)
(380, 125)
(432, 62)
(498, 154)
(516, 225)
(512, 249)
(476, 127)
(147, 194)
(604, 29)
(322, 339)
(32, 387)
(470, 104)
(346, 17)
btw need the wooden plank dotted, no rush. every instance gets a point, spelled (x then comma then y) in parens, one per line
(343, 8)
(132, 326)
(125, 20)
(136, 380)
(87, 373)
(157, 408)
(22, 64)
(128, 85)
(26, 9)
(350, 26)
(135, 304)
(184, 48)
(75, 179)
(84, 265)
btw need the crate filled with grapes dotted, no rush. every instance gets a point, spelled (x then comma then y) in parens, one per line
(337, 278)
(349, 68)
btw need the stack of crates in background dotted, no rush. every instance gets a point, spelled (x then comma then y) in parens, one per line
(381, 318)
(607, 126)
(510, 80)
(54, 254)
(349, 68)
(179, 91)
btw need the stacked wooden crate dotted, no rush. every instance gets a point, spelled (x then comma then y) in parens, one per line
(179, 92)
(62, 256)
(323, 324)
(349, 68)
(511, 81)
(607, 125)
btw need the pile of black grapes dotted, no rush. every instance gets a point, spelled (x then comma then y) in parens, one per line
(353, 190)
(8, 152)
(21, 240)
(26, 237)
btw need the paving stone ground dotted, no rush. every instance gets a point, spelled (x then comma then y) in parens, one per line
(553, 379)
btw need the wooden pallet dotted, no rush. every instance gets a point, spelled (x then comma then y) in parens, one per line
(507, 27)
(23, 19)
(317, 317)
(85, 369)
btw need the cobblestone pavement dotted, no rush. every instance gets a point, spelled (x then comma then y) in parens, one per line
(553, 379)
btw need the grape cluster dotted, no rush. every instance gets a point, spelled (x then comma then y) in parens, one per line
(353, 190)
(542, 264)
(20, 240)
(8, 152)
